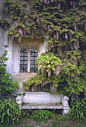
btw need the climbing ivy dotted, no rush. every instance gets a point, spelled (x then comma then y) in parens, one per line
(64, 24)
(4, 23)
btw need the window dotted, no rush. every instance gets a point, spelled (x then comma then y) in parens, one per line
(26, 66)
(33, 55)
(23, 60)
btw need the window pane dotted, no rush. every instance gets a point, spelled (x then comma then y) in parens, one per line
(31, 62)
(32, 66)
(25, 54)
(33, 55)
(32, 58)
(21, 54)
(35, 58)
(36, 54)
(32, 71)
(23, 60)
(36, 51)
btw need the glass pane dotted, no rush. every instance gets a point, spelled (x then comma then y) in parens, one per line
(33, 55)
(25, 54)
(25, 69)
(32, 66)
(36, 51)
(21, 70)
(32, 58)
(21, 54)
(32, 62)
(32, 50)
(32, 70)
(23, 60)
(21, 66)
(36, 54)
(35, 58)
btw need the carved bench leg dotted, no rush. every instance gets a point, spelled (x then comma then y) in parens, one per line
(65, 111)
(19, 101)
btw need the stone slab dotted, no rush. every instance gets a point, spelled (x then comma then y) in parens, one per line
(41, 97)
(42, 107)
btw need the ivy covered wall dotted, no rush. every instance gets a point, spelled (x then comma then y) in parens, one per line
(63, 22)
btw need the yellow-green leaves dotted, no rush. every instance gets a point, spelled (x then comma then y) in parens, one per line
(48, 60)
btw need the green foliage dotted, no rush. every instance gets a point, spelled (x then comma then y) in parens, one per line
(4, 23)
(25, 114)
(6, 3)
(36, 80)
(64, 24)
(7, 85)
(28, 126)
(9, 111)
(56, 124)
(78, 109)
(48, 61)
(18, 16)
(3, 58)
(41, 115)
(72, 79)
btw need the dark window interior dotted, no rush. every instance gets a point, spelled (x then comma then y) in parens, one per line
(23, 60)
(33, 55)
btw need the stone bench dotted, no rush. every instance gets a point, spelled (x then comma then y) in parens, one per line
(43, 100)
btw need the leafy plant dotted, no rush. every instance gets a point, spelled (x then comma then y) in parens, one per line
(25, 114)
(36, 80)
(9, 111)
(56, 124)
(28, 126)
(78, 109)
(7, 85)
(48, 61)
(4, 23)
(41, 115)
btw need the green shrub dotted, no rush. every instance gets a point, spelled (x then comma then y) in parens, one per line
(9, 111)
(7, 85)
(41, 115)
(78, 109)
(25, 114)
(28, 126)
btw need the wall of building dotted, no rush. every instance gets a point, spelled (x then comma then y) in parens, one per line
(28, 44)
(13, 48)
(3, 35)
